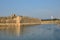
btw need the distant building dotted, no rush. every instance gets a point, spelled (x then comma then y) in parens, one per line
(52, 17)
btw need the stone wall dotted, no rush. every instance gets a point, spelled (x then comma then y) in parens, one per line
(10, 21)
(30, 20)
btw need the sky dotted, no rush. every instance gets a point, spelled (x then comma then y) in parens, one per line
(42, 9)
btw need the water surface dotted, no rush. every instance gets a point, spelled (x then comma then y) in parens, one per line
(37, 32)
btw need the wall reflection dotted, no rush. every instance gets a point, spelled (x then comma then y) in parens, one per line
(11, 31)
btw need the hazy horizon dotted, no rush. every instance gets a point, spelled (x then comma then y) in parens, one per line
(33, 8)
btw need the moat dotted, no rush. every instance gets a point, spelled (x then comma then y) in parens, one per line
(37, 32)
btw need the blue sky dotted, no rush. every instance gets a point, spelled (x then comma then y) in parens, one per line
(32, 8)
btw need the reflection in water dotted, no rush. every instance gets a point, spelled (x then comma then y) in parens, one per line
(39, 32)
(11, 31)
(15, 32)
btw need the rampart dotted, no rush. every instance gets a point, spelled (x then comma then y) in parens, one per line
(10, 22)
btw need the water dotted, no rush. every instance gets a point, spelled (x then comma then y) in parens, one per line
(37, 32)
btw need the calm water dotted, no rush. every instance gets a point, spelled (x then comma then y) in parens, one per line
(37, 32)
